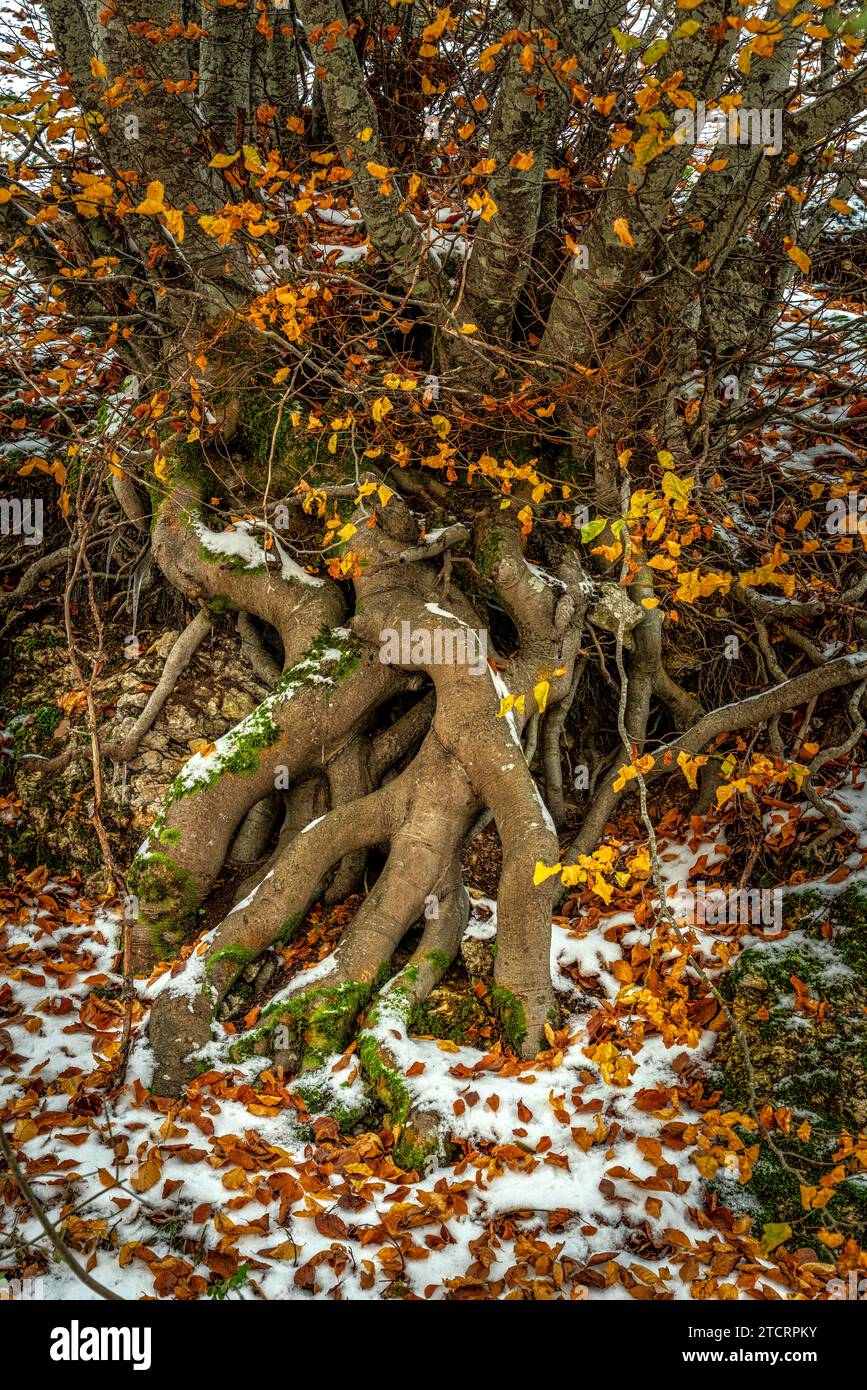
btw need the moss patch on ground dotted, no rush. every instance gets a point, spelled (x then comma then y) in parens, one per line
(809, 1054)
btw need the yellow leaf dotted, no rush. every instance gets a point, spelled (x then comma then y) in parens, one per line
(97, 68)
(801, 259)
(624, 774)
(222, 161)
(830, 1238)
(154, 200)
(540, 695)
(622, 232)
(175, 222)
(286, 1250)
(468, 328)
(690, 766)
(380, 409)
(543, 871)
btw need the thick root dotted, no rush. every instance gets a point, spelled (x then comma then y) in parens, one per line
(318, 703)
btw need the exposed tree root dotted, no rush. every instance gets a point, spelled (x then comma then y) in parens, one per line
(312, 728)
(357, 770)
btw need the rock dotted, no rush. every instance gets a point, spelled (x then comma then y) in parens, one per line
(237, 704)
(478, 957)
(164, 644)
(615, 610)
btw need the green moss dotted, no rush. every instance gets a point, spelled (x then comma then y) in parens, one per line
(320, 1020)
(221, 603)
(186, 464)
(388, 1085)
(814, 1063)
(170, 899)
(773, 1192)
(229, 561)
(438, 960)
(850, 912)
(266, 432)
(450, 1014)
(287, 928)
(321, 1097)
(169, 835)
(510, 1012)
(241, 955)
(36, 733)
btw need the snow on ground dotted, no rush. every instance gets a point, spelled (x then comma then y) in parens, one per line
(575, 1175)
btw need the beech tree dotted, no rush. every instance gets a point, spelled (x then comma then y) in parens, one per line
(437, 343)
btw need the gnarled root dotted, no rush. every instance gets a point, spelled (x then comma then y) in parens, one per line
(470, 758)
(316, 705)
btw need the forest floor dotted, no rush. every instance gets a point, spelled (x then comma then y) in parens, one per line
(627, 1161)
(581, 1174)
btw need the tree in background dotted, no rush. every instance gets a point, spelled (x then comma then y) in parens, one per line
(444, 348)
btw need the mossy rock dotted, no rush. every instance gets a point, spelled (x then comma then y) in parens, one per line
(814, 1063)
(450, 1012)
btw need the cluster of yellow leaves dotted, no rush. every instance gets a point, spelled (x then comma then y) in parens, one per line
(483, 204)
(629, 771)
(246, 217)
(591, 870)
(762, 773)
(55, 470)
(767, 573)
(665, 1005)
(154, 204)
(615, 1067)
(288, 308)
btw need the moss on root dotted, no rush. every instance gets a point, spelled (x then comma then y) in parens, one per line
(241, 956)
(448, 1013)
(288, 928)
(510, 1012)
(321, 1097)
(320, 1021)
(170, 896)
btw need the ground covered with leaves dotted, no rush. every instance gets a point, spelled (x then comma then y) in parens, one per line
(628, 1160)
